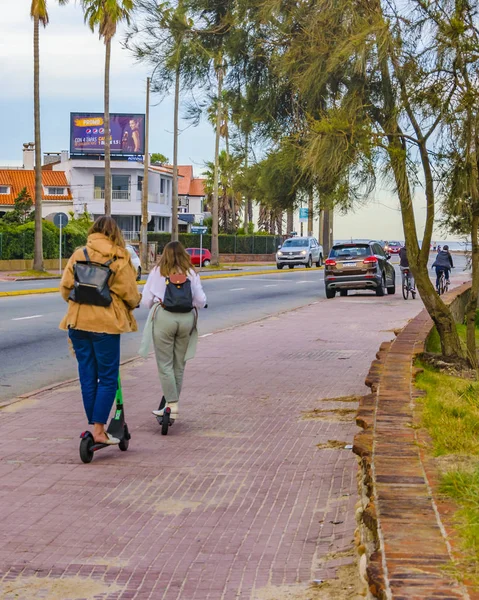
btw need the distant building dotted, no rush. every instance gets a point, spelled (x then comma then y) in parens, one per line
(56, 193)
(191, 198)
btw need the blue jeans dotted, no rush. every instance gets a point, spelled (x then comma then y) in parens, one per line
(98, 356)
(439, 270)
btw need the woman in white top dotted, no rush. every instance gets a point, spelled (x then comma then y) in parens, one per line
(174, 334)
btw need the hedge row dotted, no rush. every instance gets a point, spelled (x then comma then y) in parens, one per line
(228, 244)
(18, 241)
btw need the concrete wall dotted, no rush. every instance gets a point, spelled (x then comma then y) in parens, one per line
(27, 265)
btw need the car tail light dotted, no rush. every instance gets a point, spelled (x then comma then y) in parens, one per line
(329, 262)
(370, 260)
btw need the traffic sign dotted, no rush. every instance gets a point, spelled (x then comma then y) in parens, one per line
(303, 214)
(60, 220)
(197, 229)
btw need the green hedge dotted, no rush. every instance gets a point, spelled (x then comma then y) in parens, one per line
(17, 241)
(228, 244)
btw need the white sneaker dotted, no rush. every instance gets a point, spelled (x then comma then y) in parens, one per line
(173, 407)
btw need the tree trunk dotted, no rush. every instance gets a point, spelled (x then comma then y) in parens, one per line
(107, 128)
(144, 188)
(471, 308)
(246, 204)
(321, 228)
(331, 228)
(214, 228)
(38, 250)
(290, 221)
(174, 207)
(326, 231)
(438, 311)
(310, 212)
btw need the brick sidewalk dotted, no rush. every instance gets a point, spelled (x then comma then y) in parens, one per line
(235, 503)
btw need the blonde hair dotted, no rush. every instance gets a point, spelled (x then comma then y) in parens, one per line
(109, 228)
(174, 259)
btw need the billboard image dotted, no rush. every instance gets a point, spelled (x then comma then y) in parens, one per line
(87, 133)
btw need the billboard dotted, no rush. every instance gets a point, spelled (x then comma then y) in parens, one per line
(303, 215)
(87, 133)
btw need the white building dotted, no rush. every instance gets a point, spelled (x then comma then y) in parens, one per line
(86, 177)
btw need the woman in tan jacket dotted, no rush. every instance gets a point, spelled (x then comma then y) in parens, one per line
(95, 330)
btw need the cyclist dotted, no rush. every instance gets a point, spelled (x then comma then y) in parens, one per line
(404, 266)
(443, 264)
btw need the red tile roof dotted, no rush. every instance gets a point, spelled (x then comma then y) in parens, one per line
(189, 185)
(17, 179)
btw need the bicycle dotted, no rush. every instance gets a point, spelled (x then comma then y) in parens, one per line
(406, 285)
(443, 285)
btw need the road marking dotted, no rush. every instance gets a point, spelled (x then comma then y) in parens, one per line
(272, 285)
(237, 289)
(306, 281)
(205, 335)
(24, 318)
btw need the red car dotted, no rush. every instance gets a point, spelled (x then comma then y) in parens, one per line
(195, 256)
(393, 247)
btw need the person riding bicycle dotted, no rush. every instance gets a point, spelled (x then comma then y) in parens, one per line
(404, 266)
(443, 264)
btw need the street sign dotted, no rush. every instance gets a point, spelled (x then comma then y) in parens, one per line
(303, 215)
(60, 220)
(200, 230)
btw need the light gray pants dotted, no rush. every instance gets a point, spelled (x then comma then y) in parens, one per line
(171, 336)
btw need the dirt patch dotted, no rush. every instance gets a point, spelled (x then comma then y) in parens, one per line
(72, 588)
(327, 414)
(20, 405)
(332, 444)
(347, 586)
(456, 462)
(451, 365)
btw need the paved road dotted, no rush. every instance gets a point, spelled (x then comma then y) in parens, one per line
(35, 284)
(34, 352)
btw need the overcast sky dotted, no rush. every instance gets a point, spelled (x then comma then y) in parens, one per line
(72, 60)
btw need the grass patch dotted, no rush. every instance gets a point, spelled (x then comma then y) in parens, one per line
(450, 412)
(433, 342)
(463, 486)
(32, 273)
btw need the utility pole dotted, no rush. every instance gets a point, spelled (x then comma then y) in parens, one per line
(144, 187)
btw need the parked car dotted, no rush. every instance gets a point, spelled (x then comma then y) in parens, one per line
(135, 260)
(393, 247)
(195, 256)
(358, 266)
(299, 251)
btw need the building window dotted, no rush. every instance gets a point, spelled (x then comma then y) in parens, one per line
(162, 186)
(55, 191)
(140, 183)
(4, 189)
(120, 186)
(162, 224)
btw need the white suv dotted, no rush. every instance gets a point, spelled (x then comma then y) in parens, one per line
(299, 251)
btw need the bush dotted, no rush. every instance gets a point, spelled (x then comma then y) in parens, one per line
(228, 244)
(18, 241)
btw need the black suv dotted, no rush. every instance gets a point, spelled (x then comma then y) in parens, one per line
(358, 266)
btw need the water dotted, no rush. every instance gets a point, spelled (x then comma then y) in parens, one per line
(454, 246)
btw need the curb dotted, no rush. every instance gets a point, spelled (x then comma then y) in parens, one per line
(142, 282)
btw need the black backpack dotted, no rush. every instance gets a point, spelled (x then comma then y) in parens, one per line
(178, 295)
(91, 282)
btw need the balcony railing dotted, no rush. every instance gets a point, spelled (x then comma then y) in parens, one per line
(131, 236)
(115, 195)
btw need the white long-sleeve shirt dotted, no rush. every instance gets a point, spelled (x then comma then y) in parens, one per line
(155, 289)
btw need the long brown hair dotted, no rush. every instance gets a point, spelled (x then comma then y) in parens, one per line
(174, 259)
(109, 228)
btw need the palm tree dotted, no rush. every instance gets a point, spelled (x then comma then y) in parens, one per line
(106, 14)
(39, 14)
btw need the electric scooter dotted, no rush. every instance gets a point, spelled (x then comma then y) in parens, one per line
(165, 420)
(117, 428)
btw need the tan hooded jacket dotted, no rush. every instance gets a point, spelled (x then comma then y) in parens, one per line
(116, 318)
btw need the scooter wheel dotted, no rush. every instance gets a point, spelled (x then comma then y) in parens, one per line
(86, 449)
(165, 422)
(125, 442)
